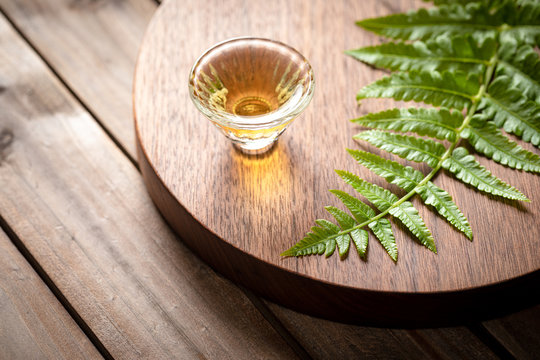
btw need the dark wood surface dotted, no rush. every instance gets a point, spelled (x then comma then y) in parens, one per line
(78, 212)
(239, 213)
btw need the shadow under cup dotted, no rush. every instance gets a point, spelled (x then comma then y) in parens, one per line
(251, 89)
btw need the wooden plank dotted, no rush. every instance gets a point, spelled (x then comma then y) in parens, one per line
(330, 340)
(82, 211)
(519, 333)
(41, 25)
(93, 45)
(34, 325)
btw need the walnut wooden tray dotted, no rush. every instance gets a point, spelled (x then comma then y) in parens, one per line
(239, 213)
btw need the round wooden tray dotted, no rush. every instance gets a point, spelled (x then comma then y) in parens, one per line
(239, 213)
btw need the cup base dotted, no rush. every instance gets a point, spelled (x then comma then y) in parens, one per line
(249, 149)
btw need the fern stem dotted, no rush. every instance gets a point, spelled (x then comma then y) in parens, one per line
(475, 101)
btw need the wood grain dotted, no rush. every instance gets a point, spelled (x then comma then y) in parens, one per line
(80, 38)
(339, 341)
(34, 325)
(240, 213)
(41, 29)
(519, 333)
(81, 210)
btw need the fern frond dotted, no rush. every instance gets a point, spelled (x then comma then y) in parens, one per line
(468, 170)
(522, 66)
(487, 139)
(442, 53)
(448, 89)
(476, 55)
(383, 232)
(438, 123)
(422, 24)
(404, 146)
(509, 109)
(403, 176)
(442, 201)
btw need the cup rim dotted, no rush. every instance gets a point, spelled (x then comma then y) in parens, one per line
(271, 118)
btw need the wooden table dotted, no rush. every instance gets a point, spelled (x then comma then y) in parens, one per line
(89, 269)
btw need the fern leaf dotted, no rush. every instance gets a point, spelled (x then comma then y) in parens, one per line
(407, 178)
(346, 222)
(384, 199)
(487, 139)
(403, 176)
(525, 22)
(448, 89)
(383, 232)
(522, 66)
(438, 123)
(359, 236)
(331, 229)
(360, 239)
(343, 242)
(407, 147)
(452, 64)
(442, 53)
(468, 170)
(378, 196)
(442, 201)
(509, 109)
(424, 24)
(410, 217)
(358, 209)
(316, 242)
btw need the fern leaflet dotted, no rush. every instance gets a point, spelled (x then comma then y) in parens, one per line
(468, 170)
(438, 123)
(439, 54)
(449, 89)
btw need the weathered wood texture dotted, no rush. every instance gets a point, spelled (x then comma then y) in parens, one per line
(33, 324)
(81, 209)
(330, 339)
(240, 213)
(84, 36)
(519, 333)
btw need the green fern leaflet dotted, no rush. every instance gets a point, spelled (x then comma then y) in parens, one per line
(475, 63)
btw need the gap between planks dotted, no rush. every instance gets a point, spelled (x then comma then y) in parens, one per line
(266, 313)
(69, 89)
(19, 244)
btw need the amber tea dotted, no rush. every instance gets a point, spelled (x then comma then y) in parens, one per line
(251, 89)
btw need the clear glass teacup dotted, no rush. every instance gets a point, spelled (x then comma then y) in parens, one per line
(251, 89)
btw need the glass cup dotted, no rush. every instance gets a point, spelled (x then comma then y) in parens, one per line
(251, 89)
